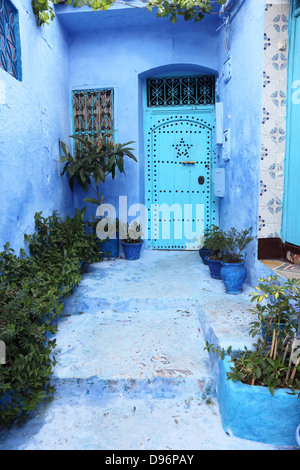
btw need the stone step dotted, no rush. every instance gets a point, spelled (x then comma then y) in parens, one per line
(136, 339)
(97, 389)
(96, 414)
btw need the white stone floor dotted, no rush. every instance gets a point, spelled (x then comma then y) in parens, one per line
(132, 373)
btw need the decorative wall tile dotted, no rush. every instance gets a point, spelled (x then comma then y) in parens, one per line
(273, 126)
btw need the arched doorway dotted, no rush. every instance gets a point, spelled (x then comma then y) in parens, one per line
(179, 158)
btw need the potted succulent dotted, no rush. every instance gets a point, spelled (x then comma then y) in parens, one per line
(97, 158)
(233, 271)
(132, 241)
(214, 242)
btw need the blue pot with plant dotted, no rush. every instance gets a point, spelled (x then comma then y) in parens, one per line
(203, 253)
(233, 276)
(233, 271)
(110, 246)
(214, 267)
(213, 242)
(132, 241)
(94, 160)
(132, 250)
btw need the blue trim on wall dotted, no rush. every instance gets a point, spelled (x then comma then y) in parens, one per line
(294, 13)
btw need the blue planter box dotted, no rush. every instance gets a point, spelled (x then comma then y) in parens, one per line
(251, 412)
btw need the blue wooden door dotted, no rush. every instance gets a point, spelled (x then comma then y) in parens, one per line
(291, 225)
(179, 161)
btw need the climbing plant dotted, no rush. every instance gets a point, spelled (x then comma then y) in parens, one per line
(189, 9)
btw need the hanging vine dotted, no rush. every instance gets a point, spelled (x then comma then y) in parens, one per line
(189, 9)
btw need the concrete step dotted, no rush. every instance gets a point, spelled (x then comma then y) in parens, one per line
(133, 339)
(96, 414)
(132, 372)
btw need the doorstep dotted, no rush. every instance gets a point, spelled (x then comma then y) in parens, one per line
(283, 268)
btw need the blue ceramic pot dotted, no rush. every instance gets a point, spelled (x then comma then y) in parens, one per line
(214, 267)
(204, 252)
(110, 247)
(233, 275)
(132, 250)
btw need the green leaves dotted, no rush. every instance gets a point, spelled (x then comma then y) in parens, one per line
(98, 158)
(31, 292)
(276, 327)
(189, 9)
(43, 9)
(227, 245)
(91, 200)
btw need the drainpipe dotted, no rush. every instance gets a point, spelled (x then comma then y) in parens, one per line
(229, 7)
(228, 12)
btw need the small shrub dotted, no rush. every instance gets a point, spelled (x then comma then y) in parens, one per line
(31, 295)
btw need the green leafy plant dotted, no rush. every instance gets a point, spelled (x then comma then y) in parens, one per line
(43, 9)
(276, 363)
(99, 157)
(234, 243)
(214, 240)
(277, 308)
(189, 9)
(32, 288)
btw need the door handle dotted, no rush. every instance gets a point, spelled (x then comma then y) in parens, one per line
(188, 163)
(201, 180)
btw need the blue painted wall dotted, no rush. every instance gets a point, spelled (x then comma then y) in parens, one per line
(33, 116)
(120, 49)
(242, 98)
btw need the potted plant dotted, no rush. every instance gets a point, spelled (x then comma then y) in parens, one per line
(233, 271)
(98, 157)
(214, 241)
(259, 389)
(278, 315)
(204, 253)
(132, 241)
(109, 237)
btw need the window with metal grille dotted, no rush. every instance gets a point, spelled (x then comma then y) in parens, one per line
(92, 109)
(9, 39)
(181, 91)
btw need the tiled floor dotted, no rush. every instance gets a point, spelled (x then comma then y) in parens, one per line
(283, 268)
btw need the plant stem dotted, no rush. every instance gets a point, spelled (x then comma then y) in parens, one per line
(295, 370)
(290, 361)
(285, 352)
